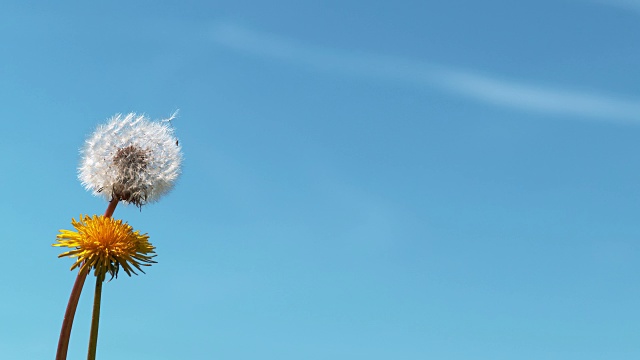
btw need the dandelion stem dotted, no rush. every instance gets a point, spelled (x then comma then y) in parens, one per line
(65, 332)
(95, 320)
(111, 208)
(69, 314)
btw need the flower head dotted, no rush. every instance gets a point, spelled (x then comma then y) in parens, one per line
(105, 245)
(131, 159)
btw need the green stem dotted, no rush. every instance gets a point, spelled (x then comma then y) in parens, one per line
(95, 319)
(70, 312)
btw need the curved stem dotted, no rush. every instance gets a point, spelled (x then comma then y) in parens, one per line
(70, 312)
(95, 320)
(65, 332)
(111, 208)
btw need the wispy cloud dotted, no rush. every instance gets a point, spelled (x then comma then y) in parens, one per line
(479, 87)
(633, 5)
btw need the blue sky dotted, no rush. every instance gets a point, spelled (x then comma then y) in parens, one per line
(362, 180)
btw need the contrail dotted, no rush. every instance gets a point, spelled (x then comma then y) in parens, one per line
(479, 87)
(633, 5)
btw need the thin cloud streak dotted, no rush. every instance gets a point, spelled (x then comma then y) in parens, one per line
(633, 5)
(481, 88)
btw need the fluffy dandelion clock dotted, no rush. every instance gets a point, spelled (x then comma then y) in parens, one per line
(131, 159)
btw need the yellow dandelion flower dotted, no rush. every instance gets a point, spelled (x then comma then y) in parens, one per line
(104, 244)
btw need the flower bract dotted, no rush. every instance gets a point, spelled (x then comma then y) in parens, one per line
(131, 159)
(105, 244)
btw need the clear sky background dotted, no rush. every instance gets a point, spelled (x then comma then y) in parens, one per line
(363, 179)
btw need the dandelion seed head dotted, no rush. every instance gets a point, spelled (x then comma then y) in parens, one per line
(132, 159)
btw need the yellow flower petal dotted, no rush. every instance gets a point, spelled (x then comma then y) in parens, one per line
(105, 245)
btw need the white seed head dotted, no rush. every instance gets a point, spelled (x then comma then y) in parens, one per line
(131, 158)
